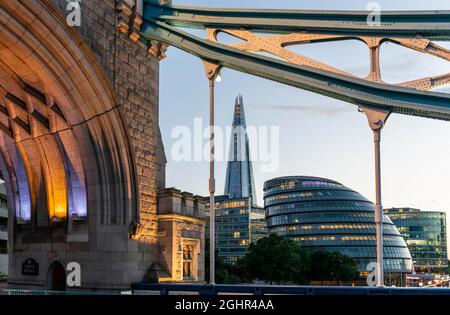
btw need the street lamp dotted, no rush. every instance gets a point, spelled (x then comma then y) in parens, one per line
(377, 120)
(212, 72)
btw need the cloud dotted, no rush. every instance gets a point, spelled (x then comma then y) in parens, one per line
(406, 66)
(401, 68)
(311, 110)
(442, 90)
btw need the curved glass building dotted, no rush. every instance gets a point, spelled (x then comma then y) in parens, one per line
(323, 214)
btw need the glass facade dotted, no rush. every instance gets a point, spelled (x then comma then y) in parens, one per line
(425, 233)
(239, 221)
(239, 181)
(323, 214)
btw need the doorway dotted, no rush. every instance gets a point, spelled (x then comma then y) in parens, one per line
(57, 277)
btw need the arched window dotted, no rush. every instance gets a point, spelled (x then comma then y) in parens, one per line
(188, 261)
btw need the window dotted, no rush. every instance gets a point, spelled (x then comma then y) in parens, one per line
(3, 246)
(188, 254)
(3, 203)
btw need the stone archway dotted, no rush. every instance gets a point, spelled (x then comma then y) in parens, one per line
(79, 164)
(62, 132)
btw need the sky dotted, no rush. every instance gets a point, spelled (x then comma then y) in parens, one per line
(319, 136)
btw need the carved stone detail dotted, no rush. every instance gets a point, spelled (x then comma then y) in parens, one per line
(125, 11)
(157, 49)
(31, 116)
(188, 227)
(130, 21)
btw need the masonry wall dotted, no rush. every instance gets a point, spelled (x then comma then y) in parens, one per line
(134, 76)
(109, 258)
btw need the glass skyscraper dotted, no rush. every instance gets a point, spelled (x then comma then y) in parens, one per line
(425, 233)
(239, 181)
(239, 221)
(322, 214)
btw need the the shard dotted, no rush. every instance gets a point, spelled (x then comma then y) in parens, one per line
(239, 181)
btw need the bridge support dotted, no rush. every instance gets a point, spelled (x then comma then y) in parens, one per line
(377, 119)
(81, 152)
(212, 71)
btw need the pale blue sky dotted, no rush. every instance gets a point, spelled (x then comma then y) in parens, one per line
(337, 142)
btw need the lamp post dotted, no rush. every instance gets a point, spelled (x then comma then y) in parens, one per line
(377, 120)
(212, 72)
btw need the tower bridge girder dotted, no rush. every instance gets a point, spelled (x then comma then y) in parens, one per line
(358, 91)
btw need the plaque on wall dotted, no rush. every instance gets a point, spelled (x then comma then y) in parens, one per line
(30, 267)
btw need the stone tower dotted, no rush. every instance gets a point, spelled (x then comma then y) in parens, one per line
(80, 145)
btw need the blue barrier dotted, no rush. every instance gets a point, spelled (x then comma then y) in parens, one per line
(47, 292)
(206, 289)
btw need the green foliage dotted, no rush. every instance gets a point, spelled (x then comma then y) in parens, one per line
(346, 269)
(321, 266)
(222, 275)
(327, 266)
(275, 259)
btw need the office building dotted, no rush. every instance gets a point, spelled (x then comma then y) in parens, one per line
(322, 214)
(425, 233)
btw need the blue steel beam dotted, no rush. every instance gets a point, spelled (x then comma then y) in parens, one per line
(430, 24)
(353, 90)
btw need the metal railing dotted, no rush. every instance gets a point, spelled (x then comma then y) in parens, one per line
(203, 289)
(47, 292)
(222, 289)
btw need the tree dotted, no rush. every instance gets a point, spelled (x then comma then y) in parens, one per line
(345, 268)
(321, 268)
(275, 259)
(327, 266)
(221, 270)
